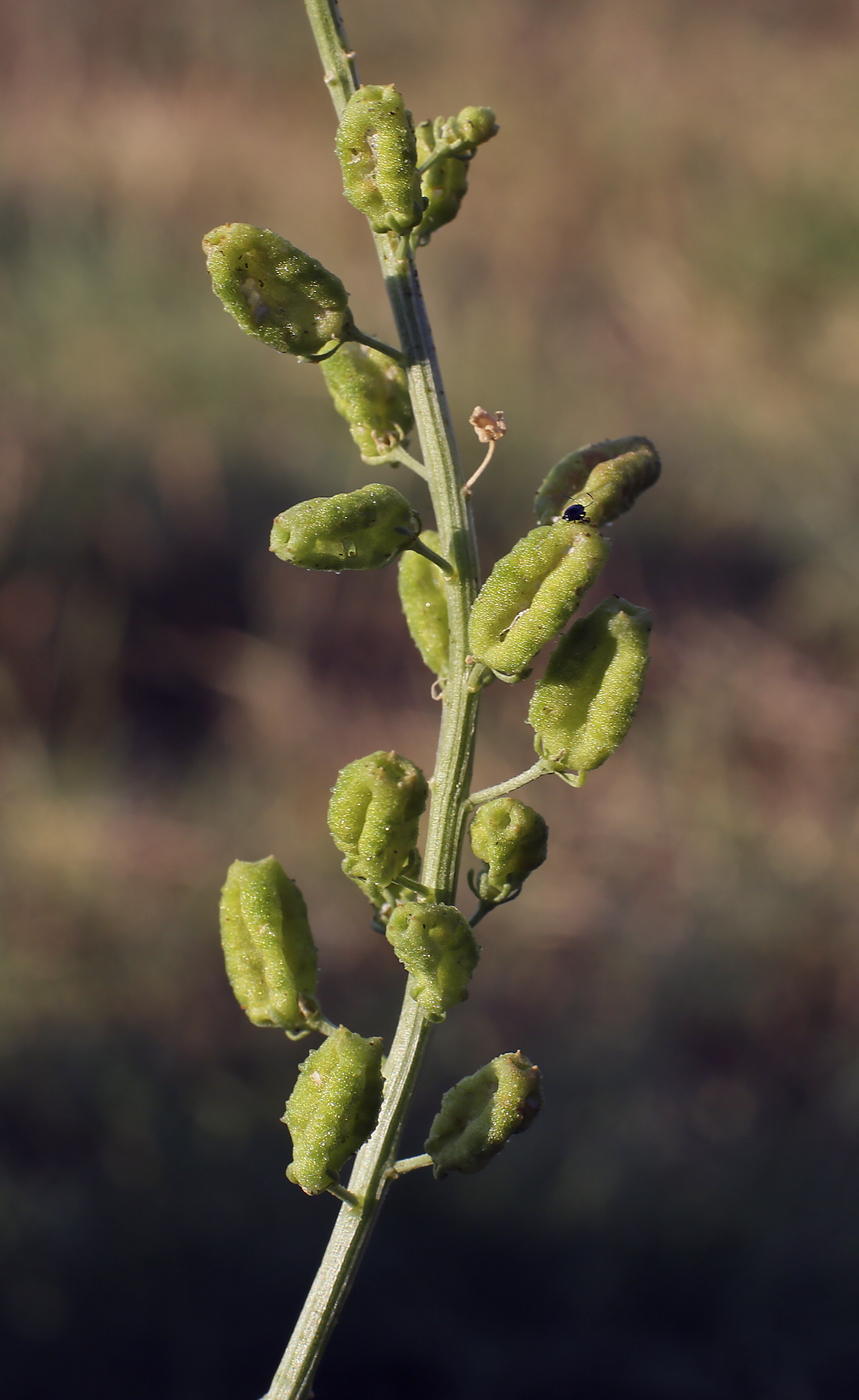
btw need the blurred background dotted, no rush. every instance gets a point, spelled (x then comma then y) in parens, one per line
(663, 239)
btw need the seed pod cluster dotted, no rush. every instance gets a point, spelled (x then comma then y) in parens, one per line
(363, 529)
(481, 1113)
(268, 948)
(277, 293)
(376, 149)
(604, 479)
(585, 702)
(511, 838)
(532, 593)
(437, 947)
(423, 595)
(333, 1108)
(373, 816)
(371, 392)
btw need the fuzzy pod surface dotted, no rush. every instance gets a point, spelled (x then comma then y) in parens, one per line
(480, 1114)
(371, 392)
(585, 702)
(437, 947)
(277, 293)
(376, 149)
(373, 816)
(363, 529)
(532, 593)
(333, 1108)
(268, 948)
(423, 596)
(511, 838)
(604, 478)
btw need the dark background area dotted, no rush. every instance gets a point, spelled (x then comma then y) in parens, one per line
(663, 239)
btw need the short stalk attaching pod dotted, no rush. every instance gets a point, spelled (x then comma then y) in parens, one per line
(363, 529)
(423, 595)
(277, 293)
(376, 149)
(333, 1108)
(599, 482)
(511, 838)
(585, 702)
(436, 946)
(481, 1113)
(531, 594)
(373, 816)
(269, 951)
(371, 392)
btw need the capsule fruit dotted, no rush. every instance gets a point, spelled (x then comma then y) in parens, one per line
(511, 838)
(605, 479)
(585, 702)
(373, 816)
(423, 595)
(480, 1114)
(371, 392)
(268, 948)
(363, 529)
(437, 947)
(376, 149)
(333, 1108)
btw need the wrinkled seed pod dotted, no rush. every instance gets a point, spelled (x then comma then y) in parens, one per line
(443, 185)
(371, 392)
(511, 838)
(269, 951)
(584, 705)
(277, 293)
(423, 595)
(333, 1108)
(373, 816)
(604, 477)
(437, 947)
(480, 1113)
(532, 593)
(376, 149)
(363, 529)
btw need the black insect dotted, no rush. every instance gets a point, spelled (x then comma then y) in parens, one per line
(576, 512)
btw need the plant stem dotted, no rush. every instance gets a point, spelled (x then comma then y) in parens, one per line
(537, 770)
(452, 777)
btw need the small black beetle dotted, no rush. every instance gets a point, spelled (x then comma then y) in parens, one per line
(576, 512)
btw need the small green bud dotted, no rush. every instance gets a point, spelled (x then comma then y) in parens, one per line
(473, 126)
(376, 149)
(583, 706)
(531, 594)
(480, 1113)
(268, 947)
(373, 816)
(371, 392)
(363, 529)
(277, 293)
(437, 947)
(333, 1108)
(605, 479)
(511, 838)
(423, 595)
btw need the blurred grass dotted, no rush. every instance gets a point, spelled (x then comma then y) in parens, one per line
(663, 239)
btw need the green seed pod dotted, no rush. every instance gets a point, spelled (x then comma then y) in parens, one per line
(444, 184)
(423, 595)
(363, 529)
(333, 1108)
(268, 947)
(584, 704)
(480, 1113)
(511, 838)
(437, 947)
(531, 594)
(373, 816)
(605, 479)
(371, 392)
(376, 149)
(275, 292)
(473, 126)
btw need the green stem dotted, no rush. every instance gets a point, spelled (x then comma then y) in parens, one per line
(537, 770)
(369, 1180)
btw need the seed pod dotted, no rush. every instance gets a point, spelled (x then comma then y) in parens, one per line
(583, 706)
(333, 1108)
(437, 948)
(480, 1113)
(268, 947)
(275, 292)
(605, 479)
(423, 596)
(363, 529)
(376, 805)
(444, 184)
(531, 594)
(511, 838)
(371, 392)
(376, 149)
